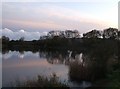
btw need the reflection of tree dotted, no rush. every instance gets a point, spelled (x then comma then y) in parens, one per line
(95, 65)
(5, 51)
(21, 52)
(61, 57)
(56, 58)
(43, 54)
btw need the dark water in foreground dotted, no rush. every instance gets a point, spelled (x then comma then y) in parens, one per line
(27, 65)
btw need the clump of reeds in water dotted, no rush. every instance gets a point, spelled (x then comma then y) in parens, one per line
(85, 71)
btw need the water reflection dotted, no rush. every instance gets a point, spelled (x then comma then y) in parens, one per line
(70, 66)
(31, 65)
(62, 58)
(91, 68)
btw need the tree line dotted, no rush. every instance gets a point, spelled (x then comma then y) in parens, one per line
(63, 40)
(111, 33)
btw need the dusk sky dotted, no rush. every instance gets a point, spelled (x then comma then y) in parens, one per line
(32, 19)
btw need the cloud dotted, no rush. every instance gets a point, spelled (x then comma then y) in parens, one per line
(50, 16)
(21, 33)
(40, 17)
(33, 24)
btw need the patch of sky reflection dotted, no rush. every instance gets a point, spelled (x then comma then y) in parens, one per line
(31, 65)
(14, 54)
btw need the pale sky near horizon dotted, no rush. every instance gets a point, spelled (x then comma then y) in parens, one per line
(40, 17)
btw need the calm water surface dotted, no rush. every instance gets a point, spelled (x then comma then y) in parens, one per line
(27, 65)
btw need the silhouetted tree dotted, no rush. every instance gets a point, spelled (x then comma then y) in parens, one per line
(4, 38)
(51, 34)
(92, 34)
(64, 34)
(43, 37)
(72, 34)
(21, 39)
(118, 35)
(110, 33)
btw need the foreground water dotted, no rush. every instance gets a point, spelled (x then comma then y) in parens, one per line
(27, 65)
